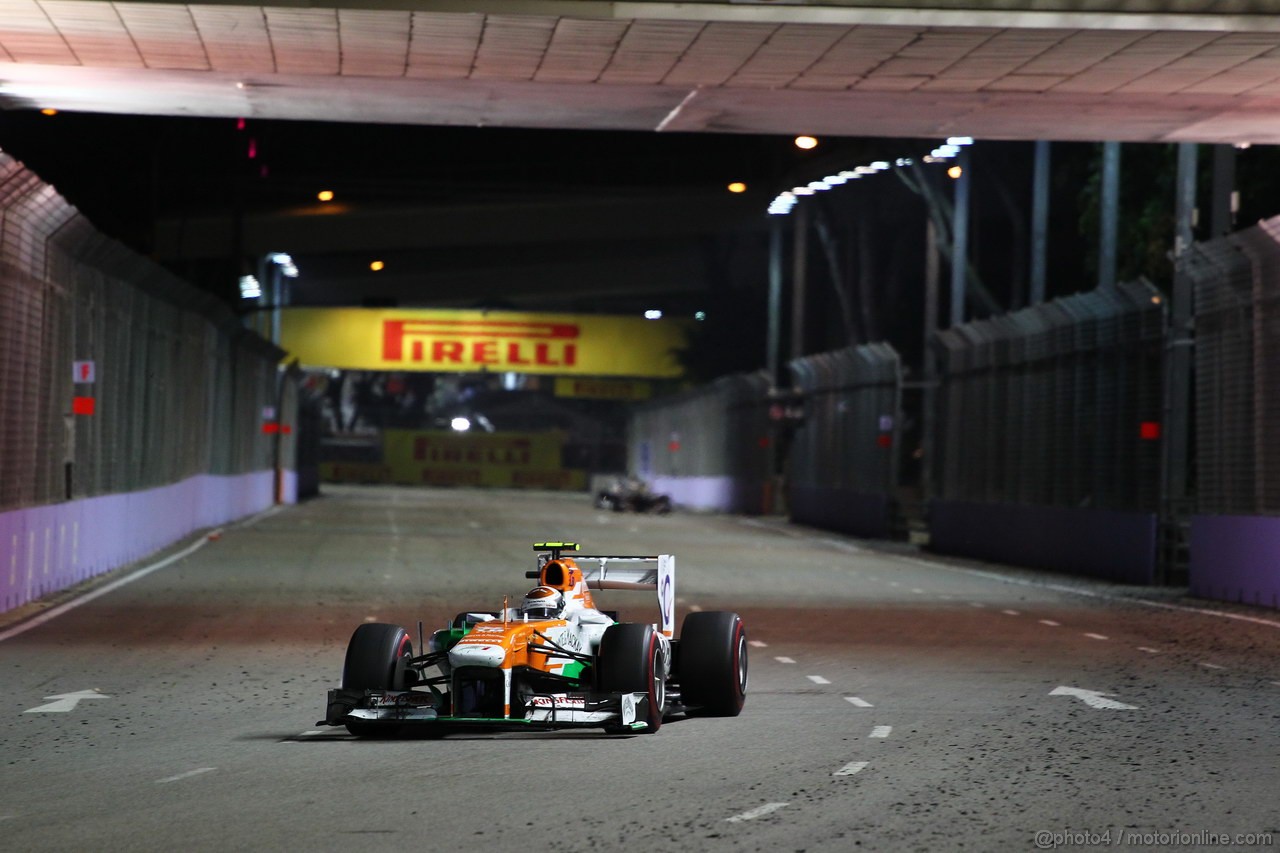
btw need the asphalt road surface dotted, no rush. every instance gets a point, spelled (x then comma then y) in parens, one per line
(897, 701)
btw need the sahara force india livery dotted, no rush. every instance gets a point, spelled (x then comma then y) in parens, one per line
(553, 662)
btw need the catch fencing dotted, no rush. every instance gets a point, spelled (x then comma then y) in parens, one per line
(169, 422)
(1235, 531)
(709, 448)
(843, 464)
(1050, 420)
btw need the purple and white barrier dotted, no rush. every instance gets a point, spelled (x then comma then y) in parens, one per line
(1236, 558)
(49, 548)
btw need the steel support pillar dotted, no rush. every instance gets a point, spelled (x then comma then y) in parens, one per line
(1223, 208)
(1109, 214)
(1174, 491)
(1039, 223)
(774, 353)
(960, 242)
(799, 274)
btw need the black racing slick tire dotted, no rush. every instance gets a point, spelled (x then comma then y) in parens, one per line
(377, 659)
(630, 661)
(712, 663)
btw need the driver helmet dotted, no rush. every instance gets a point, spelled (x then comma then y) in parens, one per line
(543, 602)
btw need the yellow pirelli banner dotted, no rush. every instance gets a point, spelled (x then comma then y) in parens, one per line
(476, 341)
(503, 460)
(603, 389)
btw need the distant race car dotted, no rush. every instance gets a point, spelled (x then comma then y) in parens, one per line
(628, 493)
(554, 662)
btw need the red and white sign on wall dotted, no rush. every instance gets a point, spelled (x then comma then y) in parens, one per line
(83, 372)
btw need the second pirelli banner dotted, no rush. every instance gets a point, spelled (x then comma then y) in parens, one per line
(476, 341)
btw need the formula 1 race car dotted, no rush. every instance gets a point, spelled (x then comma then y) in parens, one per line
(554, 662)
(628, 493)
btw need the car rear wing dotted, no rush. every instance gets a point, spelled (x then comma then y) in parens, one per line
(656, 573)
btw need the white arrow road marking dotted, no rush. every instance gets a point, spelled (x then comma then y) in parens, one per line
(64, 702)
(817, 679)
(1092, 698)
(186, 775)
(881, 731)
(757, 644)
(851, 768)
(858, 703)
(758, 811)
(785, 660)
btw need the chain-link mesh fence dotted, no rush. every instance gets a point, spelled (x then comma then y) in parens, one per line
(178, 388)
(710, 448)
(842, 470)
(1237, 299)
(1058, 404)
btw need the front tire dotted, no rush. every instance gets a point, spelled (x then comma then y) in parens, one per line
(630, 661)
(712, 661)
(377, 659)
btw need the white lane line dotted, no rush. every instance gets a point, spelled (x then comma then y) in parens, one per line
(817, 679)
(697, 608)
(1097, 636)
(758, 811)
(894, 583)
(976, 604)
(1276, 683)
(1010, 613)
(1050, 623)
(186, 775)
(311, 733)
(917, 590)
(757, 644)
(784, 659)
(851, 768)
(55, 612)
(843, 546)
(1148, 650)
(863, 703)
(1208, 665)
(881, 731)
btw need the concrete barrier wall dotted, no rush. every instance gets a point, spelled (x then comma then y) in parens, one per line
(1236, 558)
(1117, 545)
(833, 508)
(699, 493)
(50, 548)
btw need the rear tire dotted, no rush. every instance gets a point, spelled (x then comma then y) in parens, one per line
(377, 659)
(630, 661)
(712, 660)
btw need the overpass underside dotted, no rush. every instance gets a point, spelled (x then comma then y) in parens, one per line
(1161, 71)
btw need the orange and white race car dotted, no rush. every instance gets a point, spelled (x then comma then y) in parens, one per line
(556, 661)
